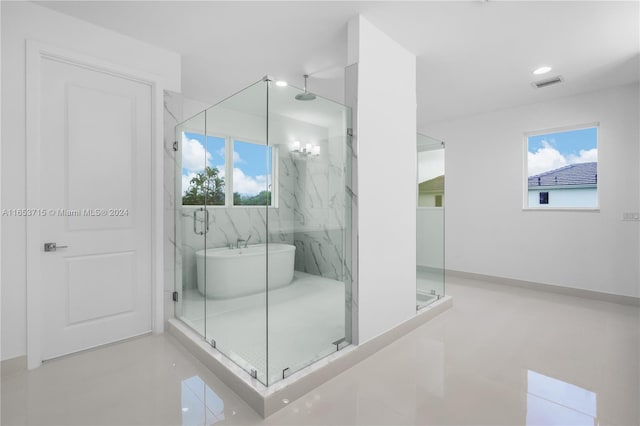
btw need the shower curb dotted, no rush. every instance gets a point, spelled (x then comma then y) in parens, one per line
(267, 400)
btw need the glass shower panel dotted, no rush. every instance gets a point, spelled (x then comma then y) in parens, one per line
(235, 265)
(308, 222)
(190, 225)
(263, 228)
(430, 221)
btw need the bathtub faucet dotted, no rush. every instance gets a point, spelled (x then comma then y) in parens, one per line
(240, 240)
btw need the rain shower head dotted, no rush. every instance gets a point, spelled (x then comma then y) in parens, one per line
(306, 96)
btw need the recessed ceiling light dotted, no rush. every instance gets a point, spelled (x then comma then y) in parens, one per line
(281, 83)
(542, 70)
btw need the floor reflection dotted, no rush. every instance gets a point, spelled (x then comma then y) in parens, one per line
(552, 401)
(200, 404)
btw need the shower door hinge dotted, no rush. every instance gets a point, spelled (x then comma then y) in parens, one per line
(213, 343)
(350, 131)
(175, 145)
(284, 372)
(174, 296)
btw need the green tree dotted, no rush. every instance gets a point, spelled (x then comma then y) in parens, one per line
(205, 188)
(261, 199)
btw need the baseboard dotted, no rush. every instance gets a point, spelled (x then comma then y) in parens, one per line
(267, 400)
(13, 365)
(568, 291)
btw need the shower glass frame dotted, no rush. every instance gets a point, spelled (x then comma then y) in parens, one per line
(279, 330)
(430, 205)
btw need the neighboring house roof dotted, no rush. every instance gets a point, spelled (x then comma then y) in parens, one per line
(573, 174)
(435, 185)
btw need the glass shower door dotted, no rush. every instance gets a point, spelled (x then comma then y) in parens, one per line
(430, 221)
(190, 223)
(308, 231)
(235, 244)
(221, 262)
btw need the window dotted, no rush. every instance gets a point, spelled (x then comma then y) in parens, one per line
(252, 165)
(209, 179)
(544, 198)
(203, 170)
(562, 169)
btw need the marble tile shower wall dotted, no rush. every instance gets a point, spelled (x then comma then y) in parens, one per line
(310, 212)
(320, 226)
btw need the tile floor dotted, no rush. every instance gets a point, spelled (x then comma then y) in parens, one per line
(500, 356)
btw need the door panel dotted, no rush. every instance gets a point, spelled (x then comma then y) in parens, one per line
(109, 293)
(95, 144)
(101, 150)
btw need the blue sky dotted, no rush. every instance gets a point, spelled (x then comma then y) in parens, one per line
(554, 150)
(249, 162)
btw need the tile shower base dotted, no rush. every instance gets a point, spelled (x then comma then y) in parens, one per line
(267, 400)
(305, 318)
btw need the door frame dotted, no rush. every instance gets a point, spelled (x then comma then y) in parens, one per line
(35, 53)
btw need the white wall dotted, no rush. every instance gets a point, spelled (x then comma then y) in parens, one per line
(1, 204)
(25, 21)
(387, 158)
(487, 231)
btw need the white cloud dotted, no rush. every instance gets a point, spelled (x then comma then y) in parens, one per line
(221, 171)
(194, 156)
(248, 185)
(544, 159)
(549, 158)
(185, 181)
(236, 158)
(586, 156)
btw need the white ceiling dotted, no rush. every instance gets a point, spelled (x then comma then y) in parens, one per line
(472, 56)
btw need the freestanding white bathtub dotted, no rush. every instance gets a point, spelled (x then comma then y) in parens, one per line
(239, 272)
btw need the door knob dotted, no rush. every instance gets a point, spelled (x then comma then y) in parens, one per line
(52, 246)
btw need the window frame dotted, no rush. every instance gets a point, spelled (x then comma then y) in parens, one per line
(525, 168)
(228, 170)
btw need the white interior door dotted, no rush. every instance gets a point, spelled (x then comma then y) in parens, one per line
(95, 197)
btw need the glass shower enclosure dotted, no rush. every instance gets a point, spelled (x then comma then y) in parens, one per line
(430, 221)
(263, 228)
